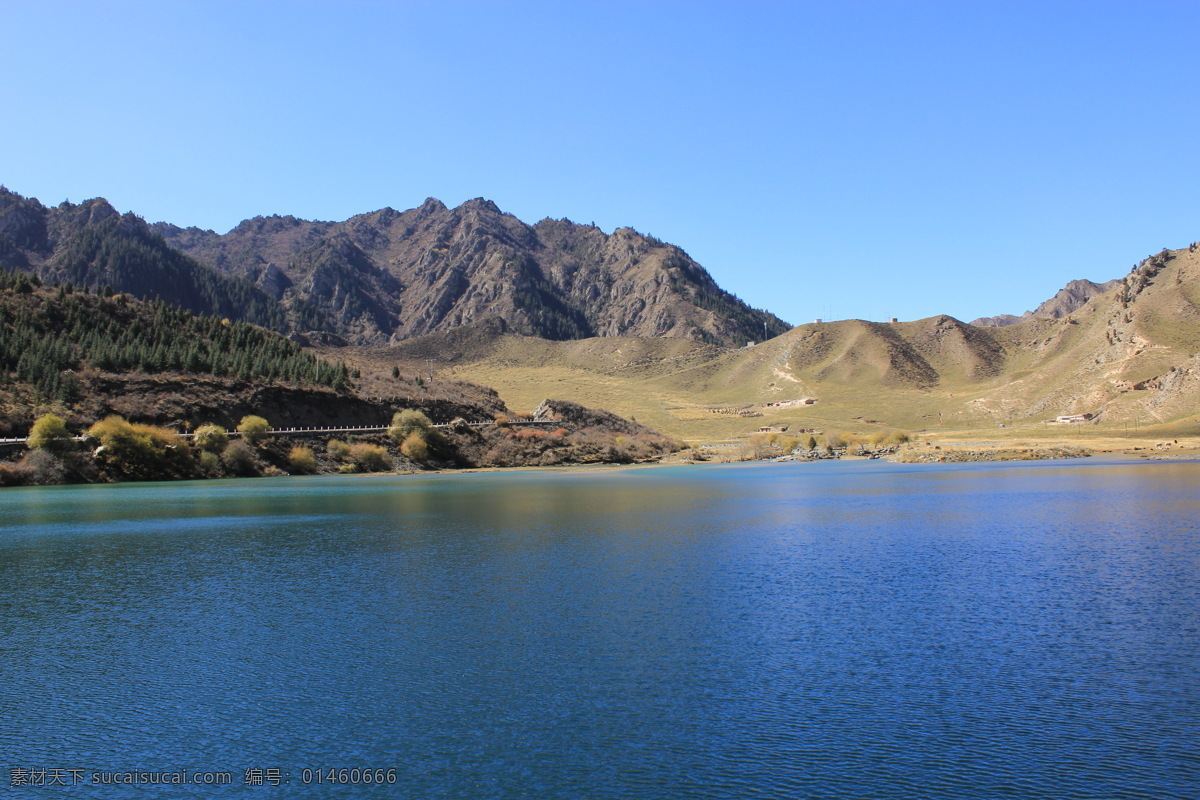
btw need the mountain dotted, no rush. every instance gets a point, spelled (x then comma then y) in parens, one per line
(92, 245)
(389, 276)
(1068, 299)
(1129, 356)
(627, 322)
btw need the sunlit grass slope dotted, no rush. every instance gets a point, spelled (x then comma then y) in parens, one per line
(1128, 357)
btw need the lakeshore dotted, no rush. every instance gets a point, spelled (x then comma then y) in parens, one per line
(272, 455)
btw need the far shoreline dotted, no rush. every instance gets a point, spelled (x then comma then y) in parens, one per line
(938, 455)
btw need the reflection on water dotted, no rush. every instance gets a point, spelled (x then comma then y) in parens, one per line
(828, 630)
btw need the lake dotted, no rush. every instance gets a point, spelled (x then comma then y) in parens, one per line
(828, 630)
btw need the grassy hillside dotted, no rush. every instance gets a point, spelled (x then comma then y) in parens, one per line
(1128, 357)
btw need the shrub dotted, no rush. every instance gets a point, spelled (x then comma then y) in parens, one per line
(765, 448)
(415, 448)
(407, 422)
(211, 438)
(550, 457)
(338, 450)
(139, 451)
(502, 420)
(302, 460)
(210, 463)
(11, 475)
(239, 459)
(42, 467)
(534, 435)
(616, 455)
(253, 429)
(369, 457)
(50, 433)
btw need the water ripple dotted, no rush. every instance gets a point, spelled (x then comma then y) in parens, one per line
(808, 632)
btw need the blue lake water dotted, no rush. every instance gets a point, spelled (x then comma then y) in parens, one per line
(831, 630)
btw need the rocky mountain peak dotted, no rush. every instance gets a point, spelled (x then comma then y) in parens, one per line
(389, 275)
(89, 212)
(480, 205)
(267, 225)
(431, 206)
(1067, 300)
(22, 221)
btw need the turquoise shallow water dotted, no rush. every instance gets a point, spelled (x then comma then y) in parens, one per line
(858, 630)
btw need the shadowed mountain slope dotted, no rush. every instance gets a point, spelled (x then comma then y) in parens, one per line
(389, 275)
(91, 245)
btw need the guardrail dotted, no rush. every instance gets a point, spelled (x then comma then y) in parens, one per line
(342, 429)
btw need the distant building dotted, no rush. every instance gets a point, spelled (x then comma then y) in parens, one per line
(802, 401)
(1073, 418)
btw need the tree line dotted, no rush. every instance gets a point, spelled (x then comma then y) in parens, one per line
(123, 253)
(47, 336)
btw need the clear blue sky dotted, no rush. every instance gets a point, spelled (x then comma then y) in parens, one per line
(831, 159)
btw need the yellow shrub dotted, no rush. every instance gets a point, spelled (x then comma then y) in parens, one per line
(253, 429)
(50, 433)
(302, 460)
(415, 448)
(211, 438)
(137, 450)
(408, 421)
(369, 457)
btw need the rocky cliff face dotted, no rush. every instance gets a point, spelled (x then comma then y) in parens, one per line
(390, 275)
(92, 245)
(1067, 300)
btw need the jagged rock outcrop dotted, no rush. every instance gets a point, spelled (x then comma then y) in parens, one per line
(1071, 298)
(432, 269)
(388, 275)
(1067, 300)
(580, 416)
